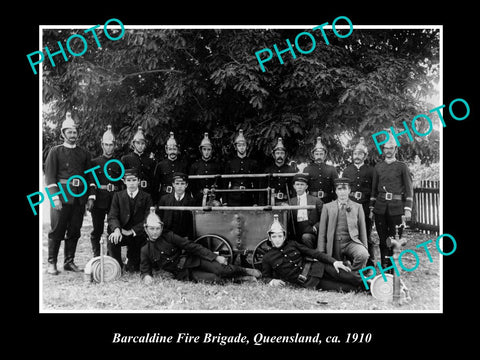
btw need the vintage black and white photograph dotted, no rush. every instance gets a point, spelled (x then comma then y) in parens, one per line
(260, 168)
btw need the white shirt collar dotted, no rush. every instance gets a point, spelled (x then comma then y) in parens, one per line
(181, 197)
(303, 198)
(134, 193)
(67, 145)
(359, 166)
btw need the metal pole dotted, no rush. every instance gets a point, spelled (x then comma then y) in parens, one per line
(102, 260)
(236, 208)
(233, 176)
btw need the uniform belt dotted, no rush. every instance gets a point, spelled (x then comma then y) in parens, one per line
(358, 195)
(75, 182)
(109, 187)
(280, 196)
(302, 278)
(320, 194)
(390, 196)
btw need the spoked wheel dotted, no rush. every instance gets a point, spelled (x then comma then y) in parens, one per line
(218, 245)
(260, 250)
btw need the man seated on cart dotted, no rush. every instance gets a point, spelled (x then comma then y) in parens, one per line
(295, 263)
(163, 251)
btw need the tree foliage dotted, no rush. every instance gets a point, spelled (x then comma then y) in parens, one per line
(192, 81)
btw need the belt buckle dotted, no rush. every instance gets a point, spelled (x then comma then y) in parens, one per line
(143, 183)
(242, 187)
(302, 278)
(321, 194)
(357, 195)
(75, 182)
(169, 189)
(279, 196)
(110, 187)
(388, 196)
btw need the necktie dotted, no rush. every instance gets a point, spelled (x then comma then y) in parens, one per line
(131, 195)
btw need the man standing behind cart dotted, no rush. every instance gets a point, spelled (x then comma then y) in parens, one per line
(282, 185)
(140, 160)
(321, 174)
(361, 177)
(166, 168)
(204, 166)
(64, 161)
(104, 194)
(241, 164)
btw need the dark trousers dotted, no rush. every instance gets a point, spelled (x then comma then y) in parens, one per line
(98, 221)
(65, 225)
(133, 244)
(341, 281)
(385, 224)
(213, 271)
(369, 225)
(305, 235)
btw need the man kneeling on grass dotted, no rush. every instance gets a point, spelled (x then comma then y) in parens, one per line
(163, 251)
(295, 263)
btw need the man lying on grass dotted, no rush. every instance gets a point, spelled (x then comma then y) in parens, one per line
(295, 263)
(163, 250)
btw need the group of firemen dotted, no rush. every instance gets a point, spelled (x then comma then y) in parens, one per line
(384, 193)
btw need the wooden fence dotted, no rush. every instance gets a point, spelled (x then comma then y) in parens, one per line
(426, 207)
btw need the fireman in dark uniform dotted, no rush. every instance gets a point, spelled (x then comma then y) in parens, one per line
(166, 168)
(392, 197)
(321, 174)
(204, 166)
(140, 160)
(163, 250)
(361, 177)
(64, 161)
(104, 193)
(241, 164)
(181, 221)
(282, 185)
(297, 264)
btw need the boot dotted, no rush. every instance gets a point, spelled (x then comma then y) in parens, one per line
(70, 266)
(252, 272)
(52, 269)
(245, 278)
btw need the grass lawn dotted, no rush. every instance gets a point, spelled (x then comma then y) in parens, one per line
(69, 292)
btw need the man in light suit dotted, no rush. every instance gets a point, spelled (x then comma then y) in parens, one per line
(125, 221)
(305, 222)
(342, 232)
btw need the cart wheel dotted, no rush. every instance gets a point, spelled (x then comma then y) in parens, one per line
(260, 250)
(218, 245)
